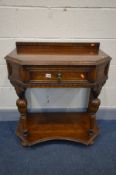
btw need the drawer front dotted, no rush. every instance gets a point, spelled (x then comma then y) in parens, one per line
(59, 75)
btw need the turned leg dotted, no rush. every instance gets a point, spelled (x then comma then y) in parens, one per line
(93, 106)
(22, 108)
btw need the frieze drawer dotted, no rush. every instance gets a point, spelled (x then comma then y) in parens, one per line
(60, 75)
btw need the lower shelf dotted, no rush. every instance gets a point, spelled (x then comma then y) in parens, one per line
(50, 126)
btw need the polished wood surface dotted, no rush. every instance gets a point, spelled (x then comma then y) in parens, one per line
(57, 59)
(58, 65)
(60, 126)
(57, 48)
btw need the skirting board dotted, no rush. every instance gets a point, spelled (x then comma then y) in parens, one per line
(13, 115)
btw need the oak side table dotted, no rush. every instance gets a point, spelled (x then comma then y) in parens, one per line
(57, 65)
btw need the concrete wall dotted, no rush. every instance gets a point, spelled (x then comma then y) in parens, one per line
(51, 20)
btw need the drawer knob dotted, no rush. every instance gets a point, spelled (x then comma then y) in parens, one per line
(59, 76)
(82, 76)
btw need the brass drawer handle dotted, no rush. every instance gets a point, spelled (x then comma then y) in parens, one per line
(82, 76)
(59, 76)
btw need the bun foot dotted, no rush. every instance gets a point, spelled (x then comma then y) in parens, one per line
(24, 143)
(91, 132)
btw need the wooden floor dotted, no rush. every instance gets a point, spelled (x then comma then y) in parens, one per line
(50, 126)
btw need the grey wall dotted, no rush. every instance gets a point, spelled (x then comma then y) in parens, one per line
(66, 20)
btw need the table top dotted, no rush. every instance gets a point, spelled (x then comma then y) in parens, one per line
(28, 53)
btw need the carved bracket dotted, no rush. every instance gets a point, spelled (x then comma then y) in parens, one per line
(20, 92)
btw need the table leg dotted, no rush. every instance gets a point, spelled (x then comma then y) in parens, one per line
(93, 106)
(22, 108)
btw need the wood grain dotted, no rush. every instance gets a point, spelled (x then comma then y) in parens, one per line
(50, 126)
(68, 65)
(57, 48)
(50, 54)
